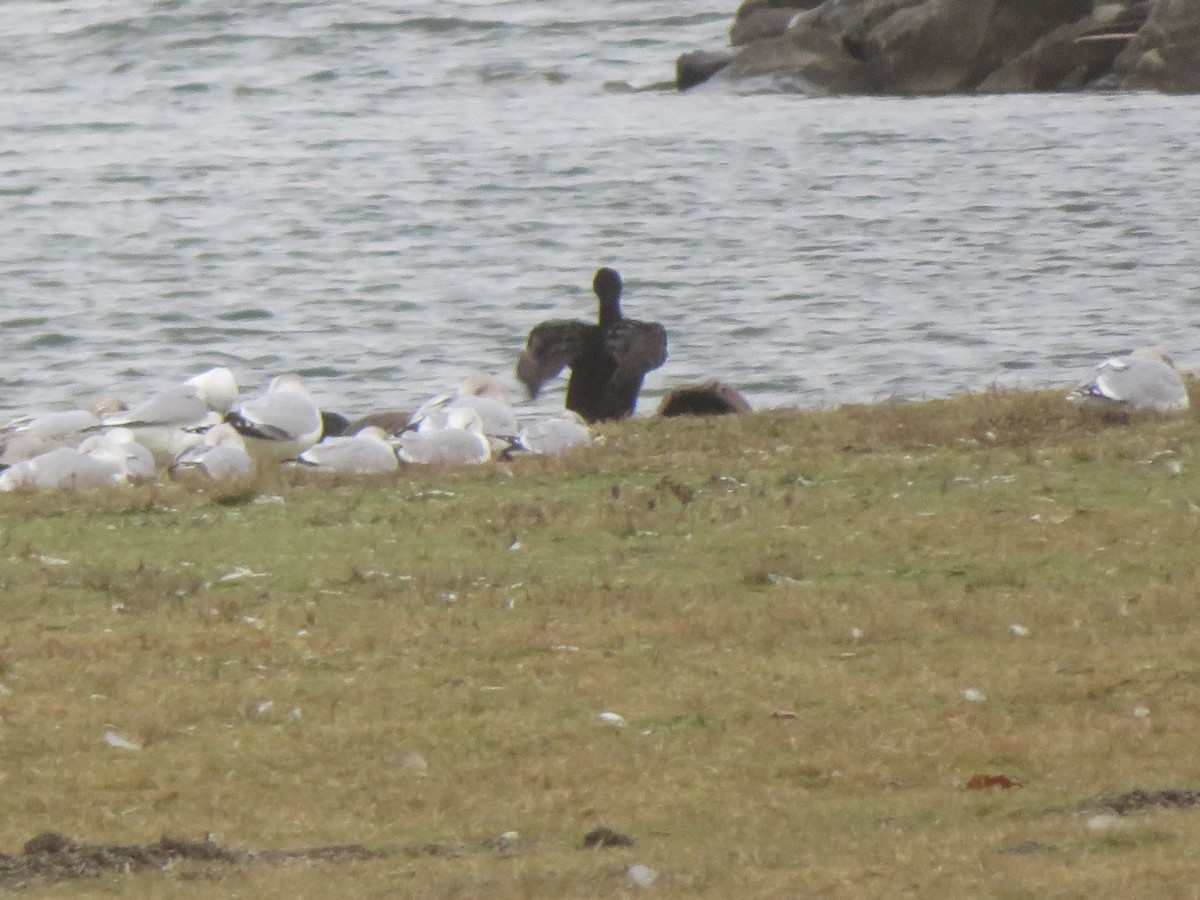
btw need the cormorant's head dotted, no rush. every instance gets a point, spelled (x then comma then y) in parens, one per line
(607, 285)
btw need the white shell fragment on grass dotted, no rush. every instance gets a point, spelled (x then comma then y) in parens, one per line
(119, 742)
(1104, 822)
(641, 876)
(411, 760)
(242, 572)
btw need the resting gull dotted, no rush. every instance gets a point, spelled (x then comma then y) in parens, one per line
(119, 446)
(102, 459)
(461, 441)
(160, 423)
(279, 424)
(480, 392)
(62, 467)
(608, 360)
(365, 453)
(1144, 379)
(220, 455)
(45, 433)
(555, 435)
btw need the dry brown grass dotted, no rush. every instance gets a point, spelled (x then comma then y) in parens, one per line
(853, 570)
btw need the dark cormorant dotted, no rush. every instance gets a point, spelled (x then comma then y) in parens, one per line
(608, 360)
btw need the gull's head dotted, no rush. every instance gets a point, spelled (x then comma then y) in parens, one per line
(483, 384)
(217, 388)
(1153, 354)
(289, 384)
(106, 404)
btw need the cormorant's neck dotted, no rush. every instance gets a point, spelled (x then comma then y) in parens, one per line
(610, 310)
(607, 285)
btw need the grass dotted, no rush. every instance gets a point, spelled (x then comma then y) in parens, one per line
(804, 618)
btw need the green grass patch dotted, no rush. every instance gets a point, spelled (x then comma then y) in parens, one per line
(817, 627)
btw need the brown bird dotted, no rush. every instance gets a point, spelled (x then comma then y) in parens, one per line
(608, 360)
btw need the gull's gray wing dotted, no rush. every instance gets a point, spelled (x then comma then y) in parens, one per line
(356, 455)
(281, 416)
(176, 406)
(1142, 383)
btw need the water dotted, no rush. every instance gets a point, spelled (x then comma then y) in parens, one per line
(384, 199)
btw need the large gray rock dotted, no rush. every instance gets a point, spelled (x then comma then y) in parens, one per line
(1072, 56)
(815, 49)
(930, 48)
(759, 19)
(947, 46)
(698, 66)
(760, 23)
(913, 47)
(904, 46)
(1165, 53)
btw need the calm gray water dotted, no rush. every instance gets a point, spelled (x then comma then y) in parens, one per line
(386, 198)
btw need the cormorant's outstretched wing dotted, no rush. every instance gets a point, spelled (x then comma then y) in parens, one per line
(551, 346)
(637, 347)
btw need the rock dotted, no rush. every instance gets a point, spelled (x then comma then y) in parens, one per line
(698, 66)
(933, 47)
(1071, 56)
(1165, 53)
(760, 22)
(951, 46)
(712, 398)
(750, 7)
(1017, 25)
(809, 54)
(929, 48)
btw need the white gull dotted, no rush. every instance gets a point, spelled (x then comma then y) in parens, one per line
(461, 441)
(365, 453)
(160, 422)
(486, 396)
(555, 435)
(280, 424)
(1144, 379)
(119, 446)
(103, 459)
(63, 467)
(45, 433)
(221, 455)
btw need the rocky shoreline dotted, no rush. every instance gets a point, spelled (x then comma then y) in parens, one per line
(936, 47)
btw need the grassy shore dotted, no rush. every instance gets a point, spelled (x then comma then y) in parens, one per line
(817, 628)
